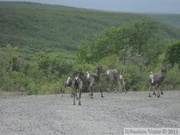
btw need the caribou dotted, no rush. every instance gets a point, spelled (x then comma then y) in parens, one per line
(94, 79)
(156, 80)
(77, 85)
(117, 78)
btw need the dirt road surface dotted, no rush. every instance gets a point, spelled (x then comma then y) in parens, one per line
(56, 115)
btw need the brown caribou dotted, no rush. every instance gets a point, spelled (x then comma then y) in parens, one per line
(94, 79)
(117, 78)
(156, 80)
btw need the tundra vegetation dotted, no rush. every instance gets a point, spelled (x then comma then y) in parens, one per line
(42, 45)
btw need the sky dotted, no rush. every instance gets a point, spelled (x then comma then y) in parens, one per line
(135, 6)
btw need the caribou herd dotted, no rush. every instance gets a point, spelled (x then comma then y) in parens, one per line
(113, 76)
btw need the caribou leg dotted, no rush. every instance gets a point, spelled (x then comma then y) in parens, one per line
(108, 90)
(120, 87)
(91, 89)
(100, 90)
(150, 90)
(74, 95)
(80, 97)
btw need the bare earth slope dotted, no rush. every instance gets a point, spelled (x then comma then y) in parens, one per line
(53, 114)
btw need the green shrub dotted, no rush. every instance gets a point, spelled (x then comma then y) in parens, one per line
(173, 53)
(173, 78)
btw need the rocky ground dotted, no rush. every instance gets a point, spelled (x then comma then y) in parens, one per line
(56, 115)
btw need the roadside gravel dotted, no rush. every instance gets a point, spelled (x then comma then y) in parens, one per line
(56, 115)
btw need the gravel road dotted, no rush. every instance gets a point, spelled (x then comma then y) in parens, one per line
(55, 115)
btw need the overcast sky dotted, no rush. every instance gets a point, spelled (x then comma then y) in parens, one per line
(136, 6)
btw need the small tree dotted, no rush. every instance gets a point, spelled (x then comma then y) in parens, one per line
(140, 36)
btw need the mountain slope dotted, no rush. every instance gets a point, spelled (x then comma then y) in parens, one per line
(35, 27)
(170, 19)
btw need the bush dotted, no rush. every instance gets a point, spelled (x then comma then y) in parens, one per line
(173, 53)
(173, 78)
(135, 78)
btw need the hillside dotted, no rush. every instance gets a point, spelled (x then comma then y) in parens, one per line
(170, 19)
(42, 26)
(41, 45)
(38, 27)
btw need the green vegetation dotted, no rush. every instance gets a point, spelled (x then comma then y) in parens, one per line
(35, 27)
(170, 19)
(136, 37)
(137, 49)
(40, 45)
(173, 53)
